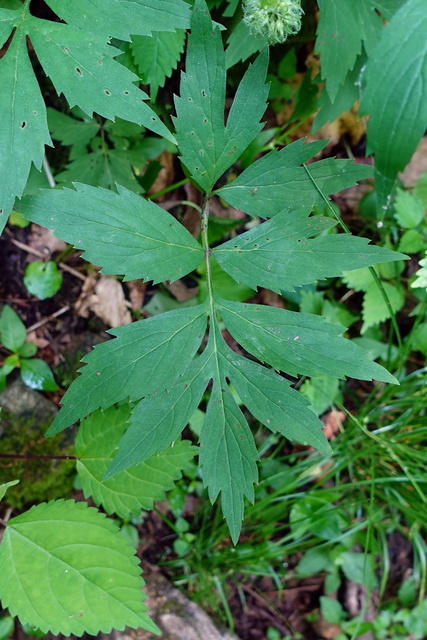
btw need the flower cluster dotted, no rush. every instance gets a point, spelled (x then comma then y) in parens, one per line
(274, 20)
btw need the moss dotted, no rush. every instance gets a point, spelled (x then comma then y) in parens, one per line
(39, 480)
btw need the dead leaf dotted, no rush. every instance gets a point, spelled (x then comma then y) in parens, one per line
(333, 421)
(166, 173)
(181, 292)
(105, 297)
(43, 240)
(417, 166)
(137, 289)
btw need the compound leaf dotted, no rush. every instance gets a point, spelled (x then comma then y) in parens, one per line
(136, 488)
(207, 146)
(122, 232)
(228, 454)
(396, 90)
(121, 18)
(273, 402)
(80, 64)
(88, 579)
(157, 421)
(298, 343)
(161, 345)
(277, 183)
(279, 255)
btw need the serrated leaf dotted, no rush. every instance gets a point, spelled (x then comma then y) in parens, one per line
(421, 280)
(36, 374)
(162, 345)
(343, 26)
(298, 343)
(279, 254)
(277, 183)
(122, 232)
(396, 89)
(5, 486)
(375, 309)
(273, 402)
(80, 64)
(228, 455)
(71, 131)
(207, 147)
(88, 579)
(136, 488)
(157, 56)
(24, 132)
(12, 330)
(409, 210)
(122, 18)
(157, 421)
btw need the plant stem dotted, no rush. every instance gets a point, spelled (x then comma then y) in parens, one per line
(18, 456)
(176, 185)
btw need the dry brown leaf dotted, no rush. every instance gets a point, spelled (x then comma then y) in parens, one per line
(181, 292)
(137, 289)
(166, 174)
(333, 421)
(43, 240)
(105, 297)
(417, 166)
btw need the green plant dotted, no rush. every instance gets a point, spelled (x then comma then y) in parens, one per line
(35, 373)
(157, 362)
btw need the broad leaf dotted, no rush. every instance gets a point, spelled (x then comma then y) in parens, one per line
(36, 374)
(157, 56)
(136, 488)
(280, 255)
(87, 577)
(277, 182)
(207, 146)
(298, 343)
(117, 369)
(396, 91)
(80, 64)
(242, 44)
(122, 232)
(12, 330)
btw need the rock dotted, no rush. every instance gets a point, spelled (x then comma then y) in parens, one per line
(20, 400)
(178, 617)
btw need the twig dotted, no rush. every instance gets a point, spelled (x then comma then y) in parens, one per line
(39, 254)
(39, 324)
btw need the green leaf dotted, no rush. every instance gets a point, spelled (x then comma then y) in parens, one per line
(24, 131)
(43, 279)
(223, 285)
(157, 56)
(121, 18)
(71, 131)
(277, 183)
(409, 210)
(36, 374)
(331, 610)
(7, 625)
(12, 330)
(375, 309)
(207, 147)
(80, 64)
(396, 90)
(162, 345)
(28, 350)
(157, 421)
(122, 232)
(273, 402)
(242, 44)
(343, 26)
(279, 255)
(5, 486)
(88, 579)
(421, 280)
(135, 489)
(298, 343)
(228, 455)
(359, 568)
